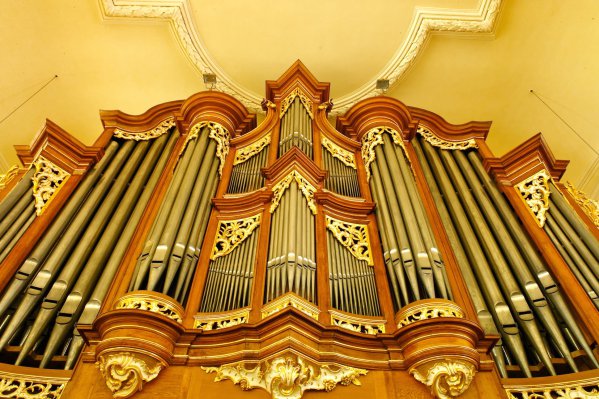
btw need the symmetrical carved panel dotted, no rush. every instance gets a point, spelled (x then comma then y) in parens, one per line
(587, 388)
(218, 133)
(290, 300)
(125, 373)
(153, 133)
(352, 236)
(304, 185)
(286, 103)
(345, 156)
(244, 153)
(231, 233)
(444, 144)
(447, 379)
(287, 375)
(588, 205)
(47, 180)
(535, 193)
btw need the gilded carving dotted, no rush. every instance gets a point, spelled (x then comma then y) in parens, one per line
(446, 379)
(244, 153)
(588, 205)
(583, 389)
(345, 156)
(290, 300)
(374, 137)
(287, 376)
(363, 326)
(8, 176)
(352, 236)
(149, 304)
(153, 133)
(125, 373)
(535, 193)
(286, 103)
(47, 180)
(444, 144)
(231, 233)
(216, 322)
(430, 310)
(304, 185)
(19, 388)
(218, 133)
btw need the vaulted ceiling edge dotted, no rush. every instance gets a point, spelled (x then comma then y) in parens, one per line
(425, 21)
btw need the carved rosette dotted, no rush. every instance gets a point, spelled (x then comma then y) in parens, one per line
(445, 144)
(286, 103)
(374, 137)
(218, 133)
(448, 378)
(231, 233)
(287, 376)
(588, 205)
(534, 191)
(304, 185)
(47, 180)
(148, 301)
(244, 153)
(125, 373)
(352, 236)
(153, 133)
(345, 156)
(8, 176)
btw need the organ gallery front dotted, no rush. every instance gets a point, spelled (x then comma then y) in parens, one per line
(193, 253)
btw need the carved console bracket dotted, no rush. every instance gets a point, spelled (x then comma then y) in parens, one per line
(47, 180)
(534, 191)
(287, 375)
(231, 233)
(153, 133)
(448, 378)
(125, 373)
(352, 236)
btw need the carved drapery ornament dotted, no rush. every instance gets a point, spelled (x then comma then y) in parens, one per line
(231, 233)
(445, 144)
(287, 376)
(352, 236)
(125, 372)
(8, 176)
(304, 185)
(433, 308)
(21, 387)
(446, 379)
(244, 153)
(290, 300)
(534, 191)
(216, 322)
(153, 133)
(588, 205)
(345, 156)
(150, 304)
(218, 133)
(47, 180)
(286, 103)
(359, 325)
(374, 137)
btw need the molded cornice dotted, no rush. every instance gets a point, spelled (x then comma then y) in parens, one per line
(295, 159)
(448, 131)
(351, 210)
(525, 160)
(243, 205)
(142, 122)
(276, 90)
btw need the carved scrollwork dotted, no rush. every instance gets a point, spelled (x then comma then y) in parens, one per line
(352, 236)
(535, 193)
(47, 180)
(447, 379)
(8, 176)
(431, 309)
(19, 388)
(218, 133)
(585, 389)
(290, 300)
(287, 376)
(150, 304)
(125, 373)
(304, 185)
(345, 156)
(216, 322)
(286, 103)
(444, 144)
(231, 233)
(244, 153)
(153, 133)
(374, 137)
(588, 205)
(363, 326)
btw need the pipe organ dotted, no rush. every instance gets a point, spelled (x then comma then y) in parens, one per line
(391, 255)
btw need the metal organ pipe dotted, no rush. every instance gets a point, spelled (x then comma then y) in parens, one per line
(296, 129)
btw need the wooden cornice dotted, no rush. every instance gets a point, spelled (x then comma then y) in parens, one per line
(215, 107)
(297, 73)
(59, 147)
(525, 160)
(376, 112)
(242, 205)
(343, 141)
(448, 131)
(294, 159)
(141, 122)
(263, 128)
(354, 211)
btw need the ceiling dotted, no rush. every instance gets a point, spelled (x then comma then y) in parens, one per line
(463, 59)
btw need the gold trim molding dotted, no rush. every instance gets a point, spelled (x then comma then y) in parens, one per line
(374, 137)
(286, 103)
(534, 191)
(287, 376)
(153, 133)
(17, 386)
(47, 180)
(359, 325)
(427, 309)
(209, 322)
(446, 379)
(304, 185)
(588, 205)
(290, 300)
(231, 233)
(352, 236)
(8, 176)
(143, 301)
(345, 156)
(445, 144)
(244, 153)
(586, 388)
(125, 373)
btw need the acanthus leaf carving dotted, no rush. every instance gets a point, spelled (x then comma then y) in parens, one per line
(345, 156)
(8, 176)
(125, 373)
(445, 144)
(286, 103)
(304, 185)
(231, 233)
(244, 153)
(153, 133)
(18, 388)
(534, 191)
(446, 379)
(588, 205)
(374, 137)
(352, 236)
(47, 180)
(218, 133)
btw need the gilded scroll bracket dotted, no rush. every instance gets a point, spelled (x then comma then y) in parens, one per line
(125, 373)
(447, 378)
(47, 180)
(534, 191)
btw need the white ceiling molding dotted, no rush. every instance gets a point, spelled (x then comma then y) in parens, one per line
(425, 21)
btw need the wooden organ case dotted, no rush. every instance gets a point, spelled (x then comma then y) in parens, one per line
(189, 254)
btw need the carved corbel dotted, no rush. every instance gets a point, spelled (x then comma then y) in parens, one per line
(447, 378)
(125, 373)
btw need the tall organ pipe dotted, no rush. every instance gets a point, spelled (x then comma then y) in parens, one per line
(296, 129)
(20, 190)
(341, 179)
(247, 176)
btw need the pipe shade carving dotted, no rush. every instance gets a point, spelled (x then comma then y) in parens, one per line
(231, 233)
(429, 136)
(126, 373)
(353, 236)
(535, 193)
(153, 133)
(587, 204)
(371, 139)
(304, 185)
(47, 180)
(8, 176)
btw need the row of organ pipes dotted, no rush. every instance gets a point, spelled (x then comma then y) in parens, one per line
(66, 277)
